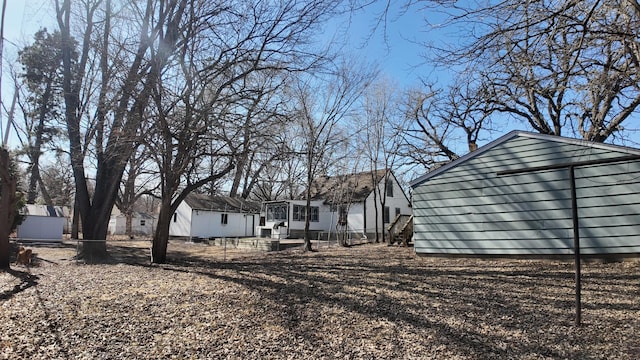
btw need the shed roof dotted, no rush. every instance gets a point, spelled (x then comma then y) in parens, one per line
(42, 210)
(221, 203)
(136, 215)
(519, 133)
(347, 188)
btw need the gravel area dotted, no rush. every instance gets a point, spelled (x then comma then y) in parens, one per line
(363, 302)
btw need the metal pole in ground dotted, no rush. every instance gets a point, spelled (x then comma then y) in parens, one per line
(576, 245)
(225, 248)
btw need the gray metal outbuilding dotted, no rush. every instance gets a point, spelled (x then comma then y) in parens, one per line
(469, 207)
(42, 223)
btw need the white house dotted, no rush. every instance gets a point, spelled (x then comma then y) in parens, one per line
(42, 222)
(286, 219)
(204, 216)
(515, 197)
(141, 223)
(343, 204)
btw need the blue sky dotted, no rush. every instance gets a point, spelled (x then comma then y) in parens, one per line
(391, 44)
(393, 48)
(22, 19)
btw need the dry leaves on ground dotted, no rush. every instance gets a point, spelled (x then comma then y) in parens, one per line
(364, 302)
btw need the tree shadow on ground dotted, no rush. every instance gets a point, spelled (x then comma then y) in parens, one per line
(456, 301)
(134, 255)
(294, 282)
(27, 280)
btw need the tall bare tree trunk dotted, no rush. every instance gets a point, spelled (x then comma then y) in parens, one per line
(307, 224)
(8, 200)
(161, 236)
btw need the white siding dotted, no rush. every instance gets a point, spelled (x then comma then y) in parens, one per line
(118, 225)
(206, 224)
(180, 224)
(398, 200)
(323, 223)
(361, 218)
(355, 219)
(324, 216)
(469, 209)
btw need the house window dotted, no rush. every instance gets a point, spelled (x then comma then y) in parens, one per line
(224, 219)
(175, 217)
(389, 188)
(385, 215)
(300, 213)
(142, 222)
(342, 215)
(397, 211)
(276, 212)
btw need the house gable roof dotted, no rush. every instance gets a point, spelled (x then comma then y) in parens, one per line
(352, 187)
(221, 203)
(518, 133)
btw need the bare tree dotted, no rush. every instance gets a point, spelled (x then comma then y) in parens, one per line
(440, 125)
(121, 81)
(320, 105)
(568, 67)
(425, 133)
(138, 180)
(380, 140)
(282, 178)
(200, 112)
(256, 132)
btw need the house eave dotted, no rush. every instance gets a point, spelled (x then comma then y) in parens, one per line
(519, 133)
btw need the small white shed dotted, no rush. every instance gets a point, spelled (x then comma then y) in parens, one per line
(41, 222)
(204, 216)
(141, 223)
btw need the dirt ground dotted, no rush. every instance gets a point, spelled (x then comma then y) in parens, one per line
(363, 302)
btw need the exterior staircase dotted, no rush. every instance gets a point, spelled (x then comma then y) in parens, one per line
(401, 229)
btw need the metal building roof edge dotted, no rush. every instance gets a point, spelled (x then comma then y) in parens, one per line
(520, 133)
